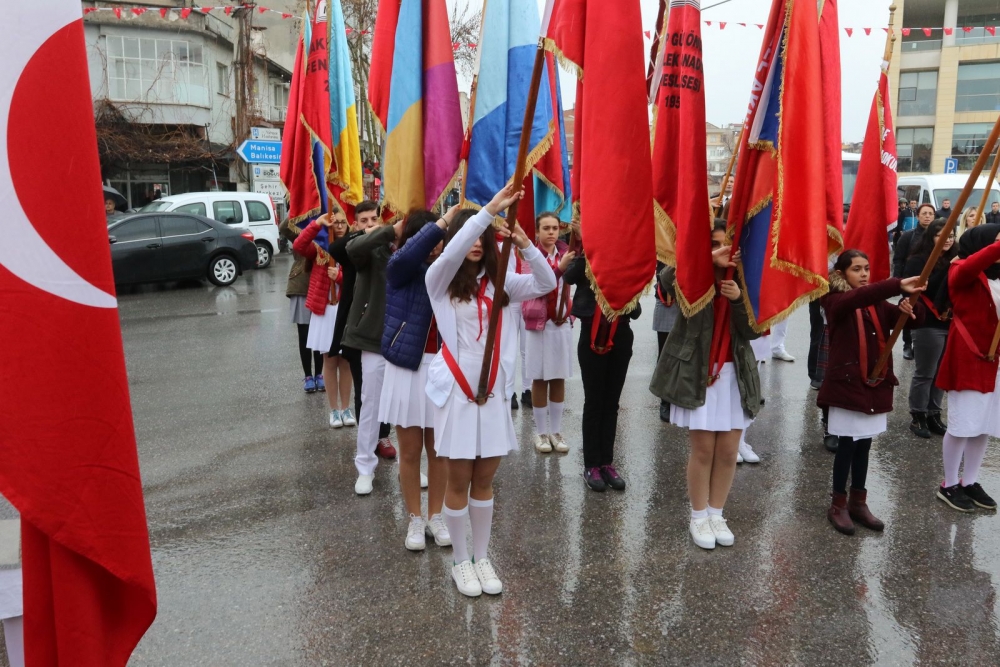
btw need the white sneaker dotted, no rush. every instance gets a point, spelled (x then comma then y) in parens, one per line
(747, 453)
(558, 443)
(423, 481)
(466, 580)
(335, 419)
(415, 534)
(437, 529)
(348, 418)
(488, 579)
(363, 486)
(723, 536)
(739, 457)
(702, 533)
(782, 355)
(542, 443)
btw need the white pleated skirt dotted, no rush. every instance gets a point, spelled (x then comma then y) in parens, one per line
(465, 430)
(548, 354)
(723, 409)
(11, 597)
(404, 399)
(973, 413)
(761, 348)
(321, 328)
(858, 425)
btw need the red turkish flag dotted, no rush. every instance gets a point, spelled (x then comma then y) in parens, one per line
(72, 472)
(992, 30)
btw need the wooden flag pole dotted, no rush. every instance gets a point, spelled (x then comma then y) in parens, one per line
(717, 206)
(949, 226)
(519, 169)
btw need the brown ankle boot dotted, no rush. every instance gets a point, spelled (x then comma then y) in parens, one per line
(857, 507)
(838, 516)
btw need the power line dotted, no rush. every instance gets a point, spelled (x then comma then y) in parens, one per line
(705, 9)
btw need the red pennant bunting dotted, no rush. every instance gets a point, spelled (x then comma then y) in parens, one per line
(163, 12)
(87, 10)
(886, 30)
(906, 32)
(455, 46)
(742, 24)
(849, 31)
(349, 30)
(927, 31)
(992, 29)
(722, 25)
(117, 11)
(949, 31)
(967, 28)
(228, 10)
(759, 25)
(285, 16)
(263, 9)
(205, 10)
(648, 34)
(185, 13)
(708, 23)
(138, 11)
(868, 31)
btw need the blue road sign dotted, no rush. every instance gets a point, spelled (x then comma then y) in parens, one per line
(950, 165)
(261, 152)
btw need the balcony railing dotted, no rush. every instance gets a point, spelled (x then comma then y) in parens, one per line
(909, 46)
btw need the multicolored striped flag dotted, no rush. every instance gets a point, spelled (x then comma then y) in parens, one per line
(344, 175)
(552, 189)
(422, 117)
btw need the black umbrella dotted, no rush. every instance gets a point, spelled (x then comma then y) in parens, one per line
(120, 202)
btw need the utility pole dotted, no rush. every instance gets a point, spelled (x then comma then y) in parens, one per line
(243, 77)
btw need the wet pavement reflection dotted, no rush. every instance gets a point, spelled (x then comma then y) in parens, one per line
(265, 556)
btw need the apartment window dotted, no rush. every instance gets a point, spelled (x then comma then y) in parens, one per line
(917, 93)
(222, 76)
(913, 148)
(978, 87)
(279, 100)
(156, 70)
(967, 141)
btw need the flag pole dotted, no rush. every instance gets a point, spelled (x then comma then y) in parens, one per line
(988, 147)
(654, 50)
(717, 206)
(472, 106)
(518, 179)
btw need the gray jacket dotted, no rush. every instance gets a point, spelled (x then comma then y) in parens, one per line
(370, 255)
(681, 375)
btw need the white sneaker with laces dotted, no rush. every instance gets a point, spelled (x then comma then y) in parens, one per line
(363, 486)
(423, 481)
(348, 418)
(437, 529)
(542, 443)
(488, 579)
(558, 443)
(747, 453)
(466, 580)
(415, 534)
(723, 536)
(702, 533)
(782, 355)
(335, 419)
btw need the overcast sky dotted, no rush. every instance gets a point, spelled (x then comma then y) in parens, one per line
(730, 56)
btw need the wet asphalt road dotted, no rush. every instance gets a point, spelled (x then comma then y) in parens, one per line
(264, 555)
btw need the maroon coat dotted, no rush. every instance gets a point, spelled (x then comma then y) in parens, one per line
(318, 296)
(972, 303)
(844, 385)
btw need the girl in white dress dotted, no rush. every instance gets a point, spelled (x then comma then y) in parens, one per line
(472, 436)
(548, 345)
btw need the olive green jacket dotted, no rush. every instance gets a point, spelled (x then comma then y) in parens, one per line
(681, 375)
(298, 276)
(370, 255)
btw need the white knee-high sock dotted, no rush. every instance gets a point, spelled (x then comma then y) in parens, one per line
(541, 420)
(555, 416)
(952, 449)
(975, 450)
(481, 518)
(455, 520)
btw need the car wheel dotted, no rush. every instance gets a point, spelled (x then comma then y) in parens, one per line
(223, 270)
(263, 255)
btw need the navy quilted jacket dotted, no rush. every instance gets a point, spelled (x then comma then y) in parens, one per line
(407, 307)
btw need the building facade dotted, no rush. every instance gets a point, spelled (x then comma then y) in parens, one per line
(720, 142)
(945, 87)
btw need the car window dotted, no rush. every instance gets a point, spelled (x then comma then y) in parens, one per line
(229, 212)
(135, 230)
(258, 212)
(180, 226)
(155, 206)
(197, 208)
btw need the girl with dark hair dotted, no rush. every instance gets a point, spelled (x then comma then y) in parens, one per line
(859, 319)
(474, 435)
(929, 340)
(548, 324)
(409, 342)
(967, 372)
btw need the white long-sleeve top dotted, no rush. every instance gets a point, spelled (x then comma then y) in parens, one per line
(540, 281)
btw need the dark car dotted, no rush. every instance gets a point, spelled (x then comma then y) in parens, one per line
(150, 247)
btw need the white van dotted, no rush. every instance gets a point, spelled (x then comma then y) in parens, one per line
(935, 188)
(245, 210)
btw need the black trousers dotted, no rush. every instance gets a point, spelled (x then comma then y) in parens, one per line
(307, 356)
(354, 359)
(852, 457)
(603, 379)
(815, 339)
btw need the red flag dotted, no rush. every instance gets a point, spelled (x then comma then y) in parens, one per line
(117, 11)
(905, 31)
(138, 11)
(73, 473)
(680, 189)
(927, 31)
(604, 41)
(383, 48)
(868, 31)
(849, 31)
(185, 13)
(228, 10)
(829, 51)
(992, 30)
(722, 25)
(949, 31)
(163, 12)
(873, 209)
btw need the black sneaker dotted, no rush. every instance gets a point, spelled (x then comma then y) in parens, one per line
(513, 402)
(955, 498)
(831, 442)
(935, 425)
(612, 478)
(908, 352)
(975, 493)
(594, 480)
(664, 412)
(815, 384)
(919, 425)
(526, 397)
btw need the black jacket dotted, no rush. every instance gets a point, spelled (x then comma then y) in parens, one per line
(339, 252)
(584, 302)
(906, 242)
(993, 218)
(914, 266)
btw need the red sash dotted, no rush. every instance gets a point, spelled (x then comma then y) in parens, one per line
(720, 306)
(459, 376)
(863, 343)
